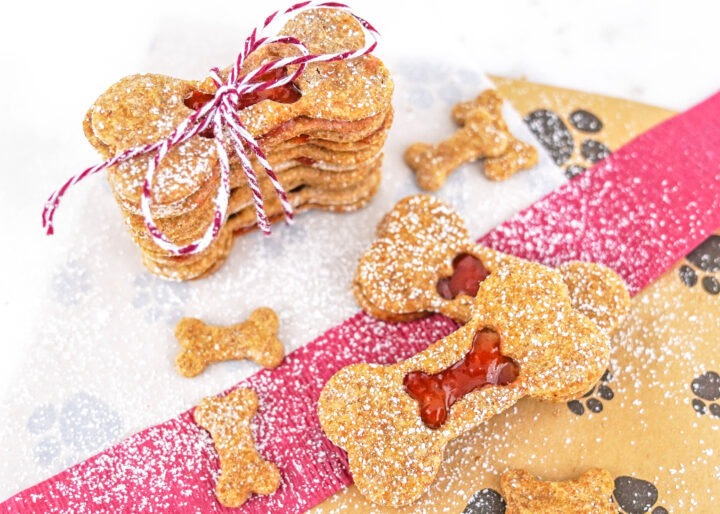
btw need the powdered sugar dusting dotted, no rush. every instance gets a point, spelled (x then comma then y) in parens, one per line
(72, 342)
(631, 206)
(174, 465)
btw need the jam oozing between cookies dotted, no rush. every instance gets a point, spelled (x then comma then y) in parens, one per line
(468, 272)
(482, 365)
(287, 94)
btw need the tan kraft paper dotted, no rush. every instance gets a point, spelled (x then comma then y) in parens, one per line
(653, 421)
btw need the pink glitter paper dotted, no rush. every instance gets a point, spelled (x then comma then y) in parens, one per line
(173, 467)
(637, 211)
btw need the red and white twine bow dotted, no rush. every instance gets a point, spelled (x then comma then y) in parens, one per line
(220, 116)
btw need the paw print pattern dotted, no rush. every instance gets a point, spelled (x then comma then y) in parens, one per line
(636, 496)
(71, 283)
(585, 121)
(82, 424)
(593, 398)
(485, 501)
(574, 170)
(707, 389)
(704, 258)
(159, 299)
(552, 133)
(593, 151)
(555, 136)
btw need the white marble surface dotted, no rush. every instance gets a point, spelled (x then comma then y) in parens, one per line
(57, 57)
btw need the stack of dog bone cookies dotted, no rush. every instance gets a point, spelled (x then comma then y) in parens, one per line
(322, 133)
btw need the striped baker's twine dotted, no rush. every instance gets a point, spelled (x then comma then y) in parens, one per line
(220, 115)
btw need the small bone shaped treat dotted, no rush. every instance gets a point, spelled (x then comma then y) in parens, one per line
(203, 344)
(424, 261)
(590, 493)
(479, 137)
(518, 156)
(242, 470)
(524, 338)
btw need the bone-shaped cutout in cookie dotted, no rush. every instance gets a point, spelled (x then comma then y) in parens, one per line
(144, 108)
(242, 470)
(424, 261)
(479, 137)
(590, 493)
(518, 156)
(254, 339)
(366, 409)
(483, 365)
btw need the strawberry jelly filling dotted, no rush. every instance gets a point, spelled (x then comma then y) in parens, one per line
(483, 365)
(468, 272)
(286, 94)
(196, 99)
(305, 161)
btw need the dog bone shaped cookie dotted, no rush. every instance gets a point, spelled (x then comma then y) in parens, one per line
(479, 137)
(524, 338)
(424, 261)
(242, 470)
(518, 156)
(144, 108)
(590, 493)
(203, 344)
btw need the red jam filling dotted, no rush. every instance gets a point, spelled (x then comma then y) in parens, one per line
(287, 94)
(482, 365)
(468, 272)
(196, 99)
(305, 161)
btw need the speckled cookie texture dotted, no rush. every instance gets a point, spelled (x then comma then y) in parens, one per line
(590, 493)
(366, 410)
(325, 144)
(517, 156)
(242, 470)
(204, 344)
(483, 134)
(397, 278)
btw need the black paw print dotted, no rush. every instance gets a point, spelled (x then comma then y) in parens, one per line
(706, 258)
(592, 403)
(636, 496)
(485, 501)
(555, 136)
(707, 387)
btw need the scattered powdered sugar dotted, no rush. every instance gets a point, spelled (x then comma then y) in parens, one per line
(105, 346)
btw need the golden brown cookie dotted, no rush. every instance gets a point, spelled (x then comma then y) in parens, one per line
(323, 134)
(254, 339)
(478, 138)
(590, 493)
(242, 470)
(524, 338)
(204, 263)
(189, 226)
(424, 261)
(484, 135)
(518, 155)
(307, 197)
(144, 108)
